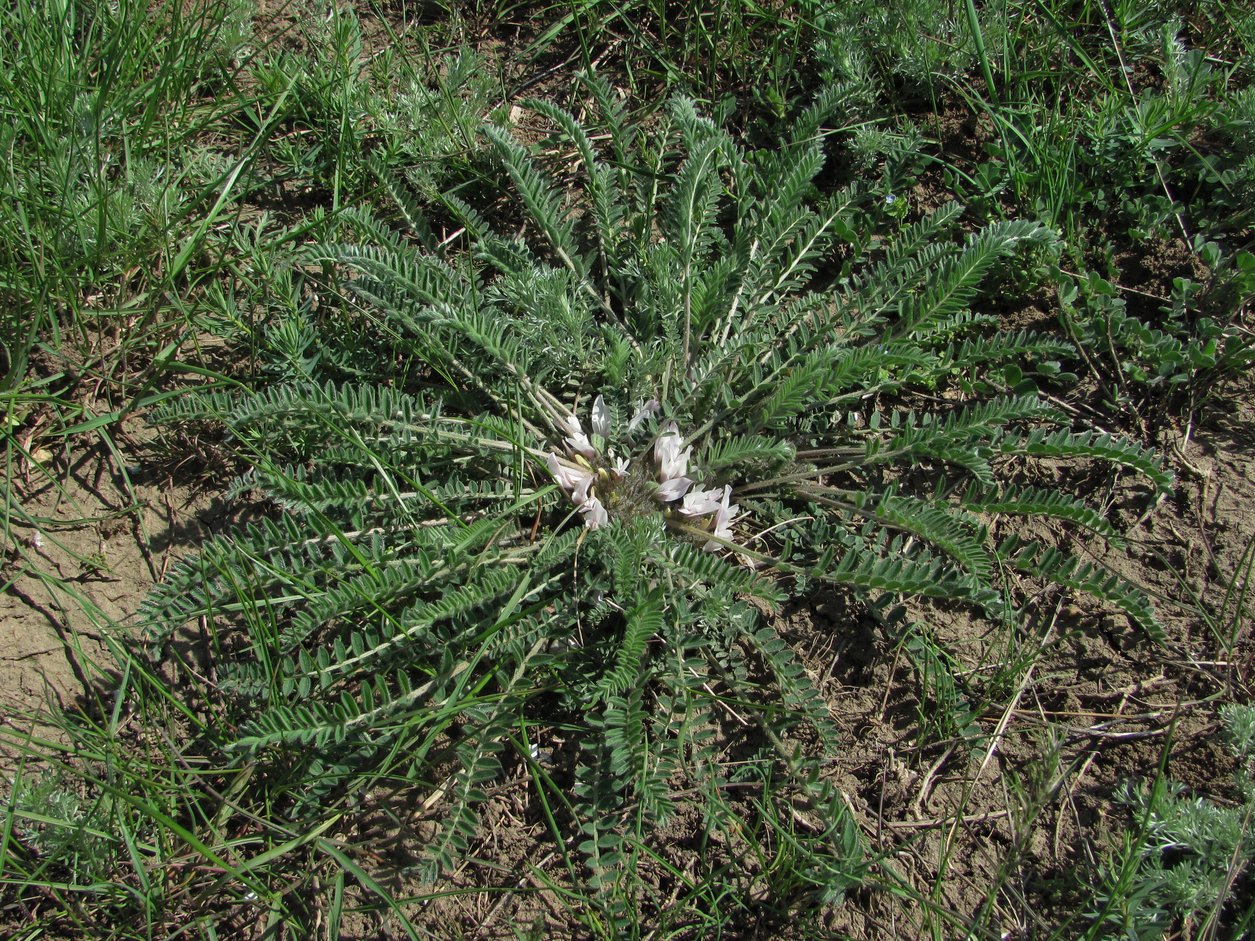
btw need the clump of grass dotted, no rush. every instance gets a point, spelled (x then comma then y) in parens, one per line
(107, 197)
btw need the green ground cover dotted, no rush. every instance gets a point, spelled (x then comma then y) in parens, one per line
(710, 469)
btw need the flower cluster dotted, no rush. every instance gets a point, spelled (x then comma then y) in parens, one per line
(583, 469)
(576, 475)
(674, 484)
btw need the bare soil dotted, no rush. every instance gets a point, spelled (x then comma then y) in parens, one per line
(105, 531)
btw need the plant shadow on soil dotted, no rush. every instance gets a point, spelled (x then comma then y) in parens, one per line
(94, 540)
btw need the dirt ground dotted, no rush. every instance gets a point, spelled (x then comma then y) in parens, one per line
(109, 523)
(1103, 706)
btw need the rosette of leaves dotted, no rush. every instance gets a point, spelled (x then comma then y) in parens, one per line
(430, 608)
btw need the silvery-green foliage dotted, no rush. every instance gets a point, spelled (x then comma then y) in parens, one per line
(603, 443)
(1186, 853)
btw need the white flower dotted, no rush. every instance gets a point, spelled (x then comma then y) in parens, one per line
(576, 439)
(723, 519)
(701, 502)
(580, 495)
(601, 418)
(672, 489)
(574, 479)
(561, 472)
(619, 464)
(671, 461)
(595, 514)
(649, 408)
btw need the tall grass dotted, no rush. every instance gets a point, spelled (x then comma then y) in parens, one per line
(108, 191)
(104, 106)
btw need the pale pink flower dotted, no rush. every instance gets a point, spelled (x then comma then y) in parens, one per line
(723, 519)
(595, 515)
(576, 439)
(580, 495)
(574, 479)
(651, 407)
(672, 489)
(671, 461)
(701, 502)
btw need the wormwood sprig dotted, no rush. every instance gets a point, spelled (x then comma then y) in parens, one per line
(430, 591)
(1185, 854)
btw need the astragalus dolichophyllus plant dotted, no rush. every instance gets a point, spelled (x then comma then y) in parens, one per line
(600, 447)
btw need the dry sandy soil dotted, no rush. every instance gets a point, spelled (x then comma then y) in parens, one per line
(110, 522)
